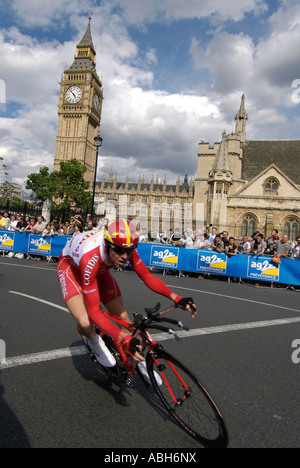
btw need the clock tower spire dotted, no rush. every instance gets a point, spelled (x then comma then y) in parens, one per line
(79, 108)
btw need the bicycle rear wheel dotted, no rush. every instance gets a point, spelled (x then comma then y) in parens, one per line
(187, 400)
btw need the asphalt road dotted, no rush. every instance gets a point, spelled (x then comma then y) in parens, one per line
(241, 350)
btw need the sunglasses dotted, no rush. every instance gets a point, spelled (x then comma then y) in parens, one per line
(122, 250)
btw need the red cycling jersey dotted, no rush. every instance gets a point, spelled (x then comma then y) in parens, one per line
(83, 268)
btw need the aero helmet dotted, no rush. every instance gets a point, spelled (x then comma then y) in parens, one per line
(122, 233)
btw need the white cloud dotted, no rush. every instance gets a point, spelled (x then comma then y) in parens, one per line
(145, 130)
(264, 70)
(49, 13)
(143, 11)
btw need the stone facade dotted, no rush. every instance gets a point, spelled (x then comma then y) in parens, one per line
(249, 185)
(153, 204)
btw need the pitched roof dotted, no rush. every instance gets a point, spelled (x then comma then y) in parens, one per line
(259, 154)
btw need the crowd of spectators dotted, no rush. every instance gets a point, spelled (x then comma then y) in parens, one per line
(38, 225)
(221, 242)
(208, 238)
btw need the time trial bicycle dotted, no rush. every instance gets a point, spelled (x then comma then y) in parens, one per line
(185, 398)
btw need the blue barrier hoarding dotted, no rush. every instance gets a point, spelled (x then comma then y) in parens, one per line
(7, 240)
(256, 268)
(252, 267)
(164, 257)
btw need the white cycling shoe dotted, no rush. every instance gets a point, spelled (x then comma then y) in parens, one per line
(101, 352)
(143, 369)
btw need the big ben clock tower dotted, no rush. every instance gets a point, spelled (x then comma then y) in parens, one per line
(79, 108)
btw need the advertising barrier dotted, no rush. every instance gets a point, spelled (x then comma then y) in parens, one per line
(256, 268)
(32, 244)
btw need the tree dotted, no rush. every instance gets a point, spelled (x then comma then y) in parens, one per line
(64, 188)
(39, 183)
(9, 193)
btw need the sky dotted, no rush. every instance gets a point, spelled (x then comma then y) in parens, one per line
(173, 74)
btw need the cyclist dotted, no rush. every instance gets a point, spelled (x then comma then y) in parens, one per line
(83, 272)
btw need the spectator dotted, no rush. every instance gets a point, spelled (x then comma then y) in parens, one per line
(295, 249)
(283, 247)
(13, 223)
(231, 249)
(68, 229)
(159, 237)
(77, 230)
(206, 242)
(77, 220)
(3, 222)
(212, 235)
(186, 240)
(199, 239)
(191, 234)
(155, 236)
(295, 254)
(12, 227)
(31, 225)
(7, 217)
(143, 235)
(176, 236)
(218, 244)
(244, 247)
(224, 237)
(21, 224)
(273, 246)
(89, 226)
(40, 225)
(20, 227)
(48, 231)
(270, 242)
(170, 235)
(164, 237)
(57, 228)
(258, 246)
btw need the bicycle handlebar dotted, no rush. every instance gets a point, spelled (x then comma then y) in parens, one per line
(152, 319)
(165, 329)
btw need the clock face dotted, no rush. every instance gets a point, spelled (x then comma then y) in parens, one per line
(73, 94)
(96, 102)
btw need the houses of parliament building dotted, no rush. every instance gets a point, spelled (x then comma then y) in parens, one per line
(239, 185)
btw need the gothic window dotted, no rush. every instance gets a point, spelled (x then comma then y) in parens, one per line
(248, 226)
(271, 186)
(291, 228)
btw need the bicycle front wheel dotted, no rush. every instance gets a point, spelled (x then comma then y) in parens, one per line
(186, 400)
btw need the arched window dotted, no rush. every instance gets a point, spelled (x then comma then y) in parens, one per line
(271, 186)
(248, 226)
(291, 228)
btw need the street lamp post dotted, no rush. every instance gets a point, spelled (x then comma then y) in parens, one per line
(97, 142)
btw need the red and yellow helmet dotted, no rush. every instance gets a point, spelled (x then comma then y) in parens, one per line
(122, 234)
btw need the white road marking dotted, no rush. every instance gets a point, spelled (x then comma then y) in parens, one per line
(234, 298)
(45, 268)
(42, 357)
(40, 300)
(80, 350)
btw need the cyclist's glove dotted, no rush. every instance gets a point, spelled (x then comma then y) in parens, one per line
(130, 345)
(183, 302)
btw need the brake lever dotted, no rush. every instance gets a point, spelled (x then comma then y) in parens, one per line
(180, 324)
(171, 332)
